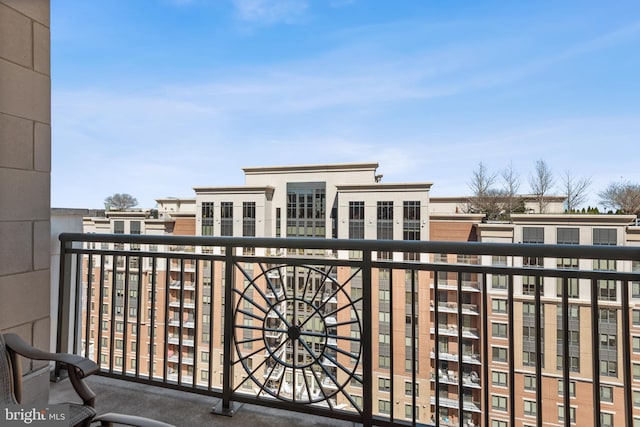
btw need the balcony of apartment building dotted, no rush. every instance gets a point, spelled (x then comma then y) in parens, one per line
(298, 337)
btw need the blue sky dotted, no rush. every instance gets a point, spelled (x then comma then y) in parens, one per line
(155, 97)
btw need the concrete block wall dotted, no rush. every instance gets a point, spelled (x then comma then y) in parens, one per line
(25, 175)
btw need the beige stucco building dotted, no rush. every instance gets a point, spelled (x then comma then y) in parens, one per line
(25, 167)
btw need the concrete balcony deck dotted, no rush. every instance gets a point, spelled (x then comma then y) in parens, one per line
(181, 408)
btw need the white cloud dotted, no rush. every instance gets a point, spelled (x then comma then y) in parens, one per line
(269, 12)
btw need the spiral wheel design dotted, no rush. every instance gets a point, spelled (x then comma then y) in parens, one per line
(302, 330)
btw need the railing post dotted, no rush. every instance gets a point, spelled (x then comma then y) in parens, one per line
(367, 350)
(64, 337)
(225, 406)
(626, 356)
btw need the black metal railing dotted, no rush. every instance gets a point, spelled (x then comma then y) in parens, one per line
(453, 337)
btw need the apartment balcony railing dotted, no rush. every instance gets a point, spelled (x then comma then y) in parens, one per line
(334, 345)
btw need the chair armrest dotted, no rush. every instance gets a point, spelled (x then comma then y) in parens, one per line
(129, 420)
(78, 367)
(84, 367)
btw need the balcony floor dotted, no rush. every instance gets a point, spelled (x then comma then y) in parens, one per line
(180, 408)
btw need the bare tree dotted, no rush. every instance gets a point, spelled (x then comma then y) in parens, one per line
(120, 201)
(485, 198)
(541, 182)
(622, 196)
(511, 182)
(575, 189)
(481, 181)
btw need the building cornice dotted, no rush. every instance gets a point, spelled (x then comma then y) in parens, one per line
(573, 219)
(176, 200)
(460, 217)
(383, 187)
(331, 167)
(268, 190)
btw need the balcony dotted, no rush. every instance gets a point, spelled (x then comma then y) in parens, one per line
(177, 284)
(452, 307)
(452, 331)
(319, 358)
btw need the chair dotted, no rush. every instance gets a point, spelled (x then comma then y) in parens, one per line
(80, 414)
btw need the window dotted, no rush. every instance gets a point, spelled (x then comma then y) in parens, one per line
(572, 414)
(306, 210)
(572, 284)
(530, 408)
(636, 371)
(572, 388)
(608, 368)
(574, 363)
(636, 399)
(408, 389)
(384, 361)
(204, 375)
(635, 315)
(499, 330)
(226, 219)
(608, 315)
(385, 225)
(499, 260)
(384, 407)
(568, 236)
(204, 356)
(530, 383)
(357, 400)
(249, 219)
(528, 358)
(604, 264)
(498, 423)
(356, 220)
(608, 342)
(499, 281)
(411, 225)
(499, 305)
(635, 344)
(533, 261)
(499, 378)
(606, 393)
(499, 354)
(607, 290)
(207, 218)
(606, 419)
(499, 403)
(532, 235)
(604, 236)
(529, 285)
(384, 384)
(409, 411)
